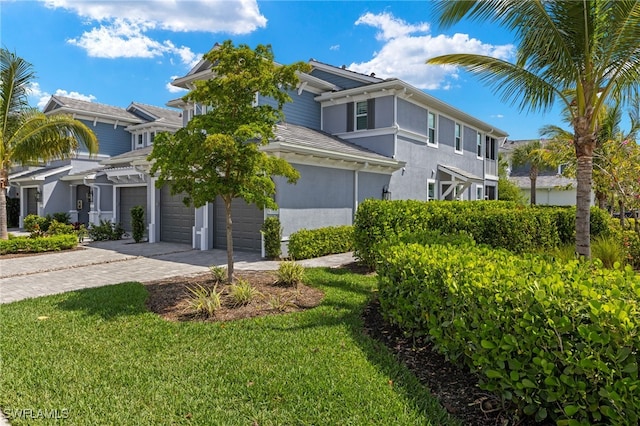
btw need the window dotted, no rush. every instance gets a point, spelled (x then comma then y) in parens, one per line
(562, 168)
(490, 149)
(431, 190)
(361, 115)
(152, 137)
(431, 123)
(458, 138)
(479, 145)
(479, 192)
(140, 141)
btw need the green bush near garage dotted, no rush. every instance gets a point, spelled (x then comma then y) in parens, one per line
(560, 340)
(310, 243)
(38, 244)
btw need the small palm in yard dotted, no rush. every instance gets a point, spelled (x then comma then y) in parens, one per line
(290, 273)
(242, 292)
(204, 301)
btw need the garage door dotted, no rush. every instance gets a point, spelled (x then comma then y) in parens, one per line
(247, 221)
(131, 196)
(176, 219)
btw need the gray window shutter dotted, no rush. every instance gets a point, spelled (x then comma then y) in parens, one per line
(371, 114)
(350, 113)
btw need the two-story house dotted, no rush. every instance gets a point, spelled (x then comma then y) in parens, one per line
(351, 136)
(81, 185)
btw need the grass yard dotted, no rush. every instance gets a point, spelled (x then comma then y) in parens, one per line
(101, 355)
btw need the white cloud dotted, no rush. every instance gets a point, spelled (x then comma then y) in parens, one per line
(406, 47)
(212, 16)
(335, 47)
(174, 89)
(41, 97)
(124, 27)
(497, 116)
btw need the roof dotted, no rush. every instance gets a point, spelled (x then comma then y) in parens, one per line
(344, 71)
(460, 174)
(77, 106)
(128, 157)
(41, 174)
(168, 116)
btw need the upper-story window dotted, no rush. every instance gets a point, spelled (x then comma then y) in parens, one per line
(490, 148)
(431, 124)
(362, 118)
(458, 138)
(479, 145)
(140, 140)
(152, 137)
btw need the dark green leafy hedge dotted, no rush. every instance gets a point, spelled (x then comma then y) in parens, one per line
(500, 224)
(38, 244)
(561, 341)
(310, 243)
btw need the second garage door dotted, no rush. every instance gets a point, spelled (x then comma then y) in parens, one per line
(176, 219)
(247, 222)
(131, 196)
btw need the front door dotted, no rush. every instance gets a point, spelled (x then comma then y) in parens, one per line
(82, 204)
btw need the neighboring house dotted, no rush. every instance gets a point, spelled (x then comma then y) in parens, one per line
(81, 186)
(551, 187)
(351, 136)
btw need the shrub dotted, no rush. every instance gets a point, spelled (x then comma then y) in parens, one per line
(137, 223)
(242, 292)
(38, 244)
(61, 217)
(204, 301)
(218, 273)
(290, 273)
(557, 339)
(58, 228)
(272, 232)
(609, 250)
(631, 244)
(106, 231)
(306, 244)
(36, 225)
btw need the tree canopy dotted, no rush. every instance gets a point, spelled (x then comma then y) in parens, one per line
(218, 152)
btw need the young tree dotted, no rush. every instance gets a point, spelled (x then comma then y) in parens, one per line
(218, 153)
(582, 53)
(27, 135)
(507, 190)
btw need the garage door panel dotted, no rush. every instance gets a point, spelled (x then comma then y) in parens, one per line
(176, 219)
(247, 222)
(131, 196)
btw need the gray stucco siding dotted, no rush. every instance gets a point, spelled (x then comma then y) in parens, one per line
(338, 80)
(446, 131)
(383, 144)
(412, 117)
(111, 141)
(370, 185)
(384, 111)
(321, 197)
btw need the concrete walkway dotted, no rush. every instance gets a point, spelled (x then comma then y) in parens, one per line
(111, 262)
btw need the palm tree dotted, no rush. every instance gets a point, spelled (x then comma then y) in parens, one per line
(533, 155)
(581, 53)
(28, 136)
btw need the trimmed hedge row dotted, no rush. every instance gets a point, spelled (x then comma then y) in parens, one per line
(561, 341)
(38, 244)
(500, 224)
(310, 243)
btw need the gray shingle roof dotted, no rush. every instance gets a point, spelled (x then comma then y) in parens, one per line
(556, 181)
(169, 116)
(306, 137)
(77, 105)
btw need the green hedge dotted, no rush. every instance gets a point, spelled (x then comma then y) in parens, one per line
(310, 243)
(500, 224)
(561, 341)
(39, 244)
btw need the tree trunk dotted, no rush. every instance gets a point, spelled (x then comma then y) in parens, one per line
(227, 207)
(4, 183)
(602, 199)
(584, 154)
(622, 213)
(533, 176)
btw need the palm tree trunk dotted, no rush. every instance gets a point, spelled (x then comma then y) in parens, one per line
(229, 223)
(4, 183)
(533, 176)
(584, 176)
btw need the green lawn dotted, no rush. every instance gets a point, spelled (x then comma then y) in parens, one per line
(107, 360)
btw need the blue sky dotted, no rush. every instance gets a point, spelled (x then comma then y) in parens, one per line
(116, 52)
